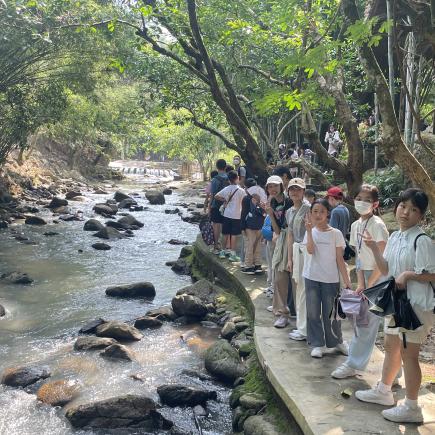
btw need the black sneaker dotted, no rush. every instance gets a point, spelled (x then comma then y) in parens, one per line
(248, 270)
(258, 269)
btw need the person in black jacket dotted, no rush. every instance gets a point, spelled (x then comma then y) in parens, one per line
(252, 219)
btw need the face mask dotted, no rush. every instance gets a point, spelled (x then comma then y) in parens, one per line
(363, 208)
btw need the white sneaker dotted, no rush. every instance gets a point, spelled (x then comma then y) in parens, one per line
(343, 371)
(342, 348)
(317, 352)
(270, 308)
(403, 414)
(296, 335)
(375, 396)
(281, 322)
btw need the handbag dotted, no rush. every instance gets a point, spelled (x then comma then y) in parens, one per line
(380, 297)
(206, 228)
(354, 308)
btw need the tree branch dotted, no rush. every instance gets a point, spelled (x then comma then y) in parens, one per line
(266, 75)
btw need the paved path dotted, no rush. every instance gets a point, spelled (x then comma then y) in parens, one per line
(304, 383)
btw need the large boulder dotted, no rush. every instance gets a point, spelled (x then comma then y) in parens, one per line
(120, 196)
(258, 425)
(253, 401)
(129, 220)
(128, 411)
(16, 278)
(183, 395)
(93, 225)
(186, 251)
(223, 361)
(119, 331)
(109, 233)
(180, 266)
(24, 376)
(165, 313)
(100, 246)
(167, 191)
(58, 393)
(57, 202)
(137, 290)
(93, 343)
(35, 220)
(72, 194)
(187, 305)
(155, 197)
(118, 351)
(202, 289)
(127, 203)
(105, 209)
(147, 322)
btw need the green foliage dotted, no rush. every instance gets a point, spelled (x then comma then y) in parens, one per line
(390, 182)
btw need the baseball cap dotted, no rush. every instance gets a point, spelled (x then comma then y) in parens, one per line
(335, 192)
(274, 179)
(297, 182)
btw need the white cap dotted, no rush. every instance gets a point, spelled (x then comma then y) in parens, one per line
(274, 179)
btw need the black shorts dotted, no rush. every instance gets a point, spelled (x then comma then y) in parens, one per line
(215, 216)
(231, 227)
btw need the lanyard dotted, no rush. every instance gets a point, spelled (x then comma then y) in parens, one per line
(359, 235)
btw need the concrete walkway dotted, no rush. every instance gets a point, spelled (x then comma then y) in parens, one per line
(304, 383)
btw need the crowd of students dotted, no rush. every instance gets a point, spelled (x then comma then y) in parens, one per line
(306, 241)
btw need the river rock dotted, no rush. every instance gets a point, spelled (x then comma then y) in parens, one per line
(202, 289)
(100, 246)
(116, 225)
(93, 225)
(57, 202)
(130, 220)
(223, 361)
(130, 411)
(16, 278)
(199, 411)
(137, 290)
(180, 266)
(35, 220)
(21, 238)
(91, 327)
(118, 351)
(109, 233)
(120, 196)
(241, 326)
(167, 192)
(50, 233)
(177, 242)
(61, 210)
(58, 393)
(127, 203)
(2, 310)
(174, 211)
(24, 376)
(79, 199)
(155, 197)
(182, 395)
(91, 343)
(239, 417)
(253, 401)
(165, 313)
(186, 251)
(104, 209)
(243, 346)
(99, 191)
(187, 305)
(258, 425)
(119, 331)
(3, 224)
(72, 194)
(146, 322)
(229, 330)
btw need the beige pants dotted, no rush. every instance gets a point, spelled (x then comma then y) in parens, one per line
(280, 294)
(252, 248)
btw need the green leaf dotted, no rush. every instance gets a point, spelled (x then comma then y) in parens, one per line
(111, 26)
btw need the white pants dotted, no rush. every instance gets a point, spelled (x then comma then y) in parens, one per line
(270, 246)
(301, 300)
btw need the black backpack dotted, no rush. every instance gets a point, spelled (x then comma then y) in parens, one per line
(223, 182)
(255, 218)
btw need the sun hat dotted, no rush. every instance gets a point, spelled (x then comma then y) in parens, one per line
(335, 192)
(274, 179)
(297, 182)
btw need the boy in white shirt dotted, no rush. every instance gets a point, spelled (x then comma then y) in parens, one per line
(232, 196)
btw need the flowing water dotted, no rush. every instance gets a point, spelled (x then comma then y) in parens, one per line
(43, 318)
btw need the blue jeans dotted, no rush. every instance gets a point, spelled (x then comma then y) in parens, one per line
(321, 330)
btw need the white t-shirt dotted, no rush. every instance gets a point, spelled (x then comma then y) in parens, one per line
(322, 266)
(233, 209)
(377, 229)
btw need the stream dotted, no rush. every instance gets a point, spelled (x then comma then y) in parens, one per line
(43, 319)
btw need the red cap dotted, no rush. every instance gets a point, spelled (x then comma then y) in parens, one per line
(335, 192)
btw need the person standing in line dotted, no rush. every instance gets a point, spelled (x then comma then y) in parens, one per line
(340, 217)
(322, 268)
(409, 257)
(267, 233)
(240, 169)
(217, 184)
(232, 197)
(332, 139)
(361, 347)
(295, 218)
(276, 208)
(208, 190)
(293, 155)
(310, 195)
(252, 219)
(284, 173)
